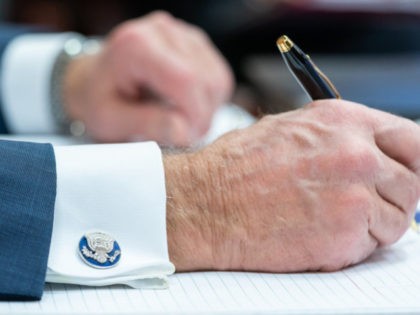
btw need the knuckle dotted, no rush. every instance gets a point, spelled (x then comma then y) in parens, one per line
(129, 33)
(355, 159)
(162, 17)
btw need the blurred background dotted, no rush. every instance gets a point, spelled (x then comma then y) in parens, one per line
(370, 49)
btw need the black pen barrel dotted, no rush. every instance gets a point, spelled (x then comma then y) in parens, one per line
(308, 75)
(304, 71)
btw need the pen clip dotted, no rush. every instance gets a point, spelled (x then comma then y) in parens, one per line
(322, 75)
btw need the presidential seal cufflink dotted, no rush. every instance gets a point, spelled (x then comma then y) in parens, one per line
(99, 250)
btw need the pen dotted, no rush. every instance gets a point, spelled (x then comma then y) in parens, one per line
(309, 76)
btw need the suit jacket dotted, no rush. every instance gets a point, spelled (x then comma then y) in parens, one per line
(27, 197)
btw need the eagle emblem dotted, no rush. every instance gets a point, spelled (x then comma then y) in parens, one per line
(99, 250)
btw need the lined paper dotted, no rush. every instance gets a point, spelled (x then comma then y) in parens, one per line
(388, 282)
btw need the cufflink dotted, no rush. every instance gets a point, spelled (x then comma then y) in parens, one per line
(99, 250)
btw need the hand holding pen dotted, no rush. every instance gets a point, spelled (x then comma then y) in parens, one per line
(314, 82)
(317, 188)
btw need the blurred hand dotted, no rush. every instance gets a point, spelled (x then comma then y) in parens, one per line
(156, 78)
(314, 189)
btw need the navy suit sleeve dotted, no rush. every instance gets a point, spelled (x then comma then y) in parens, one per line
(7, 33)
(27, 198)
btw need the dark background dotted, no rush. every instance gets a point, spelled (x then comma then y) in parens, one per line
(240, 28)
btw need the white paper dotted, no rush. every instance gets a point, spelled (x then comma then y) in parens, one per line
(387, 283)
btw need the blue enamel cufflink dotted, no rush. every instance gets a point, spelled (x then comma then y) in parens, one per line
(99, 250)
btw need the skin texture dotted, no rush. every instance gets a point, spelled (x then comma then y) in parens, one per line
(156, 78)
(318, 188)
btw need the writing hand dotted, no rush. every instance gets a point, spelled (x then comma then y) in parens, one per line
(318, 188)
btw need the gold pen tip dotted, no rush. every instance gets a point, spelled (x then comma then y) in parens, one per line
(284, 44)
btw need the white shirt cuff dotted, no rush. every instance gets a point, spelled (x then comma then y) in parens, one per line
(118, 189)
(27, 66)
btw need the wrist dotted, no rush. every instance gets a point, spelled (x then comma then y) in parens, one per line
(76, 79)
(75, 83)
(190, 220)
(204, 221)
